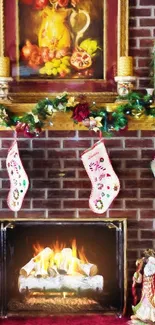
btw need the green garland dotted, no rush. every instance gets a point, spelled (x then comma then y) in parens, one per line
(95, 118)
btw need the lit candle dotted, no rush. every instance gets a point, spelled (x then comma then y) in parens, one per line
(125, 66)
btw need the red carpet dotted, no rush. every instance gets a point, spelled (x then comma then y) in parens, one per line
(66, 320)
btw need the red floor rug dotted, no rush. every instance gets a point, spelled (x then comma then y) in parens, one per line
(67, 320)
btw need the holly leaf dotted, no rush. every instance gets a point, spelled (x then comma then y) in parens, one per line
(119, 120)
(152, 112)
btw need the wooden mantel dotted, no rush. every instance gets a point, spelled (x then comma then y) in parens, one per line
(63, 121)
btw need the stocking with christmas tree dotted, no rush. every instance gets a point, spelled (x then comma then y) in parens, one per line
(18, 179)
(105, 183)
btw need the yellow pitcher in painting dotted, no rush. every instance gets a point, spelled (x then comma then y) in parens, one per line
(55, 30)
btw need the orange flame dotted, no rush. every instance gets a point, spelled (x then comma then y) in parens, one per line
(57, 247)
(74, 248)
(37, 248)
(82, 255)
(72, 255)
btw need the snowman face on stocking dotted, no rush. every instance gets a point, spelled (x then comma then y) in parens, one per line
(105, 183)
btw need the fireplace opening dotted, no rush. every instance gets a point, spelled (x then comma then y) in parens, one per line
(63, 266)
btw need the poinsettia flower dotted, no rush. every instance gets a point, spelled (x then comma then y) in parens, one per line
(61, 107)
(95, 122)
(20, 126)
(81, 112)
(71, 102)
(4, 117)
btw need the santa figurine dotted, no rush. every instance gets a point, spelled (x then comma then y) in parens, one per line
(145, 309)
(153, 166)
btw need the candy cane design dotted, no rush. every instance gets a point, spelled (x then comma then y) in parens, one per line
(14, 165)
(94, 166)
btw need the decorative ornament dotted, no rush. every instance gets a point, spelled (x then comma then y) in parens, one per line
(144, 310)
(18, 179)
(105, 183)
(137, 112)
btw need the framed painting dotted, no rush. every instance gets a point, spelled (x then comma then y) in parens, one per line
(64, 45)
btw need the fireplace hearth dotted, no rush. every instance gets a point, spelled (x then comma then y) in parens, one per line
(62, 266)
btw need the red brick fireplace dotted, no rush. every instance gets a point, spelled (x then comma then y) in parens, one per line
(62, 266)
(59, 185)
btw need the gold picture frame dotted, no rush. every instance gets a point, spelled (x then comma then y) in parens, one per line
(98, 90)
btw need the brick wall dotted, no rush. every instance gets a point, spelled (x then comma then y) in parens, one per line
(142, 34)
(59, 185)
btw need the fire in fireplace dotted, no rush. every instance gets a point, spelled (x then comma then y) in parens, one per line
(62, 266)
(59, 269)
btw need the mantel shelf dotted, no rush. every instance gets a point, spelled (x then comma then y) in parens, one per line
(63, 121)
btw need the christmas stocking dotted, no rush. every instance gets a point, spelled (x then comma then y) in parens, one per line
(105, 183)
(18, 179)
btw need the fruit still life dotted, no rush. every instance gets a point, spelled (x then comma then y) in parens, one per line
(60, 39)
